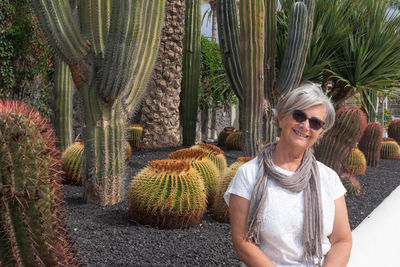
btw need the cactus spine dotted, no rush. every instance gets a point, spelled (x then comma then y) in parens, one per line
(32, 232)
(257, 59)
(220, 209)
(167, 194)
(63, 104)
(191, 69)
(394, 130)
(371, 142)
(336, 144)
(109, 70)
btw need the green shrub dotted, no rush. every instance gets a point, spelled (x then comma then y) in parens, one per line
(215, 89)
(24, 57)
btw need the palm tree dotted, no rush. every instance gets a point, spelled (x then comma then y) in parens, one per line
(354, 47)
(160, 108)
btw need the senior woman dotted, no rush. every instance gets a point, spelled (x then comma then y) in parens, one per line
(286, 208)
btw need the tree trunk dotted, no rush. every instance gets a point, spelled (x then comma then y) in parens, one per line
(160, 111)
(213, 5)
(104, 139)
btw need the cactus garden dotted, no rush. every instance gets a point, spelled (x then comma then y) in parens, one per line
(122, 124)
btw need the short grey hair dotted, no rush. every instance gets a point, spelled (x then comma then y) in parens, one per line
(307, 95)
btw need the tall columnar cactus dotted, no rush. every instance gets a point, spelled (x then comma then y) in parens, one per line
(167, 194)
(249, 59)
(191, 70)
(394, 130)
(63, 91)
(206, 169)
(220, 209)
(32, 230)
(371, 142)
(110, 59)
(390, 150)
(356, 164)
(335, 146)
(215, 154)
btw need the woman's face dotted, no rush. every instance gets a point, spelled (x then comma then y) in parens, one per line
(299, 135)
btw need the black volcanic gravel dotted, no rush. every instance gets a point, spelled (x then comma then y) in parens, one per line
(106, 237)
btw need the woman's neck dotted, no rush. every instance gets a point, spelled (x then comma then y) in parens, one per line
(287, 158)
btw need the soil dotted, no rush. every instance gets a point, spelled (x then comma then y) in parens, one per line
(105, 236)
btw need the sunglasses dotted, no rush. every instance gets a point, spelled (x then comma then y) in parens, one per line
(300, 116)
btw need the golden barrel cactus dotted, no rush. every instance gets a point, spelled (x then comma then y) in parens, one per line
(167, 194)
(206, 169)
(215, 154)
(234, 141)
(356, 163)
(224, 134)
(390, 150)
(133, 133)
(71, 163)
(220, 209)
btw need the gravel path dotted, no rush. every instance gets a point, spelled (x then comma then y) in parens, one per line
(106, 237)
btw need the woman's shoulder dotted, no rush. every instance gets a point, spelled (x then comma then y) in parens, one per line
(330, 181)
(327, 171)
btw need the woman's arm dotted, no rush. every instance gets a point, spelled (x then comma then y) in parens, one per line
(340, 238)
(246, 251)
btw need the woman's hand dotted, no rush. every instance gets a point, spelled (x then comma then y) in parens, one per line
(246, 251)
(340, 238)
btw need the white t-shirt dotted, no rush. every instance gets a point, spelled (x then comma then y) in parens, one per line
(282, 226)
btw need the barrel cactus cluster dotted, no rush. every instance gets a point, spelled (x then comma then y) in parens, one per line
(394, 130)
(32, 231)
(234, 141)
(167, 194)
(215, 154)
(390, 150)
(224, 134)
(336, 144)
(351, 183)
(371, 142)
(206, 169)
(220, 209)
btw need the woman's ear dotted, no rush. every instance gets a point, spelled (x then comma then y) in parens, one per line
(279, 122)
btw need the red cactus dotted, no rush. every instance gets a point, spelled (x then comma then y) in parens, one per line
(351, 183)
(371, 142)
(394, 130)
(32, 229)
(336, 144)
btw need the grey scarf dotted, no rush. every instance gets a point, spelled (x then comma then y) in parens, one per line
(306, 179)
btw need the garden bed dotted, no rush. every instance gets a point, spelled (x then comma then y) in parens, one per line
(106, 237)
